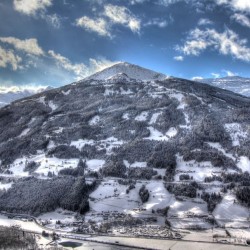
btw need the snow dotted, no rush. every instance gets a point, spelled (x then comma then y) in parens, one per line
(187, 120)
(94, 120)
(64, 216)
(183, 208)
(126, 163)
(180, 98)
(126, 92)
(158, 136)
(32, 120)
(4, 221)
(59, 130)
(53, 164)
(231, 214)
(154, 118)
(172, 132)
(160, 171)
(17, 167)
(95, 164)
(239, 233)
(5, 186)
(218, 146)
(24, 132)
(138, 164)
(236, 84)
(236, 133)
(198, 170)
(110, 92)
(110, 196)
(51, 144)
(66, 92)
(244, 164)
(159, 196)
(130, 70)
(108, 143)
(81, 143)
(118, 76)
(188, 214)
(125, 116)
(135, 164)
(52, 105)
(42, 100)
(142, 117)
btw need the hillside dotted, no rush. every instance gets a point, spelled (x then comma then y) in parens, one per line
(176, 145)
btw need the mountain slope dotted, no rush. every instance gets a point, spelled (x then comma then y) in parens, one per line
(165, 133)
(236, 84)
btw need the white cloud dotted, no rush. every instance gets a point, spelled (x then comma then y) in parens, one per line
(169, 2)
(7, 57)
(161, 23)
(99, 25)
(22, 88)
(215, 75)
(204, 21)
(236, 5)
(31, 7)
(29, 46)
(178, 58)
(122, 15)
(133, 2)
(229, 73)
(242, 19)
(54, 20)
(79, 69)
(197, 78)
(111, 15)
(227, 43)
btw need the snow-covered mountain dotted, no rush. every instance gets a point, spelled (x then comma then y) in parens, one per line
(6, 97)
(128, 70)
(116, 144)
(236, 84)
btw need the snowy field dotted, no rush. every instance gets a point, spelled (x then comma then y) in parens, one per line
(111, 196)
(158, 136)
(64, 216)
(236, 132)
(28, 225)
(239, 233)
(198, 170)
(5, 186)
(108, 144)
(188, 214)
(49, 164)
(231, 214)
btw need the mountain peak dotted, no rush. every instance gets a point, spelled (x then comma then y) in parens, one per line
(130, 70)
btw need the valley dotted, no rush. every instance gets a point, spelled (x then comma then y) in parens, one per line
(129, 152)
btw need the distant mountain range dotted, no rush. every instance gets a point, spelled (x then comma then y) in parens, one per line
(6, 97)
(236, 84)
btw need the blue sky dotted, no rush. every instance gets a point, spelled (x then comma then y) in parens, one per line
(55, 42)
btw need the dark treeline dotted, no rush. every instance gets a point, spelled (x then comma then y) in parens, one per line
(35, 196)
